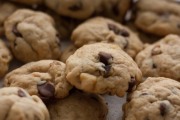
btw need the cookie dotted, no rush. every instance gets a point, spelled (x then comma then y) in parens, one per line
(79, 9)
(155, 99)
(32, 36)
(17, 104)
(45, 78)
(5, 58)
(6, 9)
(79, 106)
(102, 68)
(101, 29)
(68, 52)
(161, 59)
(159, 17)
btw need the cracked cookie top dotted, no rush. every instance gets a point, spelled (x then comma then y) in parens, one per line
(102, 68)
(45, 78)
(32, 36)
(100, 29)
(155, 99)
(161, 59)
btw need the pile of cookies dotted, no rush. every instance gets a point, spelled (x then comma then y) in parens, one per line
(59, 57)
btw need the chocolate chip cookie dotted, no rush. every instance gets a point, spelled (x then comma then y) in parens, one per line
(5, 58)
(161, 59)
(68, 52)
(17, 104)
(45, 78)
(102, 68)
(6, 9)
(79, 9)
(32, 36)
(101, 29)
(79, 106)
(159, 17)
(155, 99)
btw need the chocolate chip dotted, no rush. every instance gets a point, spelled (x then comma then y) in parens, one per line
(163, 109)
(46, 90)
(154, 66)
(156, 50)
(21, 93)
(114, 28)
(132, 83)
(124, 33)
(118, 31)
(107, 68)
(76, 7)
(16, 32)
(104, 57)
(144, 94)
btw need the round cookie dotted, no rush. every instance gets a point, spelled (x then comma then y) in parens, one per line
(159, 17)
(155, 99)
(6, 9)
(79, 9)
(5, 58)
(101, 29)
(17, 104)
(68, 52)
(32, 36)
(102, 68)
(79, 106)
(161, 59)
(28, 2)
(45, 78)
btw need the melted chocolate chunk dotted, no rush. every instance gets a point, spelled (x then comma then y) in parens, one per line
(144, 94)
(46, 90)
(104, 58)
(78, 6)
(132, 83)
(124, 33)
(118, 31)
(21, 93)
(163, 109)
(107, 68)
(154, 66)
(16, 32)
